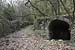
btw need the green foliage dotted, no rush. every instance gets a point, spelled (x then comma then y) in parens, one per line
(4, 26)
(1, 28)
(8, 12)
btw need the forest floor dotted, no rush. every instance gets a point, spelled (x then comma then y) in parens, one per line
(25, 39)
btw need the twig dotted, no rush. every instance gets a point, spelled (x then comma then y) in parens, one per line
(36, 8)
(65, 8)
(52, 6)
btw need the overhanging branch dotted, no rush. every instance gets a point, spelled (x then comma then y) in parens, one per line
(52, 6)
(65, 8)
(27, 2)
(36, 8)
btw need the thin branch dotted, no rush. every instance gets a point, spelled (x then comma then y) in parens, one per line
(27, 2)
(73, 17)
(37, 8)
(58, 7)
(74, 8)
(52, 6)
(65, 8)
(5, 19)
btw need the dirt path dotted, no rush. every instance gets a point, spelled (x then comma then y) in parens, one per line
(22, 33)
(25, 40)
(17, 40)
